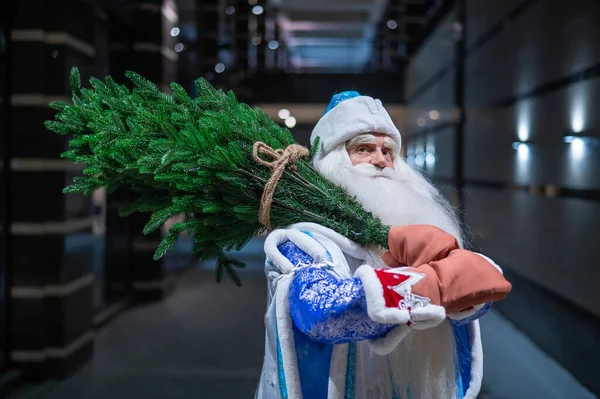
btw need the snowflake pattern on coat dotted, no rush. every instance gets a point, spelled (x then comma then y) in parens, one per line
(326, 308)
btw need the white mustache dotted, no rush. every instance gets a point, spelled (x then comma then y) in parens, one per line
(366, 169)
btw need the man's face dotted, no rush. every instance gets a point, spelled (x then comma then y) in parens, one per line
(376, 149)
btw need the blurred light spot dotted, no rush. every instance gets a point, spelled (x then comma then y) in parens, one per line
(257, 10)
(522, 167)
(524, 120)
(523, 131)
(230, 10)
(430, 147)
(523, 152)
(283, 113)
(569, 139)
(175, 31)
(179, 47)
(392, 24)
(220, 67)
(273, 44)
(169, 12)
(256, 40)
(209, 76)
(434, 114)
(577, 148)
(290, 121)
(577, 120)
(419, 160)
(430, 159)
(578, 107)
(55, 54)
(421, 121)
(419, 149)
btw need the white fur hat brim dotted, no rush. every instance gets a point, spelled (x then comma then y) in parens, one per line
(350, 118)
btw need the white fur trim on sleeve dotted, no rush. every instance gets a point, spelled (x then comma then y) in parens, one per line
(301, 240)
(273, 240)
(309, 245)
(347, 246)
(427, 316)
(375, 303)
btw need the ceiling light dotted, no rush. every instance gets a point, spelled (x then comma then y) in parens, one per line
(430, 159)
(419, 160)
(290, 122)
(283, 113)
(577, 148)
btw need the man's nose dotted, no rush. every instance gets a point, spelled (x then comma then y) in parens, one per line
(378, 159)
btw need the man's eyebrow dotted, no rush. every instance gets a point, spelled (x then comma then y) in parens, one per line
(390, 143)
(362, 139)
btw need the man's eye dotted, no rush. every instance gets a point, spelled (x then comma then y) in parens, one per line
(362, 149)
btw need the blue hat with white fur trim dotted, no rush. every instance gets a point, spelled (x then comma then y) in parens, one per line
(348, 115)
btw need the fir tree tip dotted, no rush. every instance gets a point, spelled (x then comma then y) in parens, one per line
(75, 81)
(313, 149)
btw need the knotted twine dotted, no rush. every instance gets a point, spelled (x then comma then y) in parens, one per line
(281, 159)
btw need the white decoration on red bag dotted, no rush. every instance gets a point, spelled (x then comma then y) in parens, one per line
(404, 289)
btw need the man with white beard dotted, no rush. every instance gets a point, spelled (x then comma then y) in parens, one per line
(345, 321)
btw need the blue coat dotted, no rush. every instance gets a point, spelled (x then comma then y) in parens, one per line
(318, 332)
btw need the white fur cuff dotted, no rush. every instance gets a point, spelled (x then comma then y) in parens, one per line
(427, 316)
(419, 318)
(376, 308)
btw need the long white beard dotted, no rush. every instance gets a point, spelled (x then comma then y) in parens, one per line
(398, 196)
(424, 362)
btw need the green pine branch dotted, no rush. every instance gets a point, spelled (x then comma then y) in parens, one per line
(193, 156)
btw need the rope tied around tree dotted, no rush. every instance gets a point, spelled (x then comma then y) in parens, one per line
(281, 159)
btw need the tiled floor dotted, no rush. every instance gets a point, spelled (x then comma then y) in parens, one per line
(206, 341)
(514, 368)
